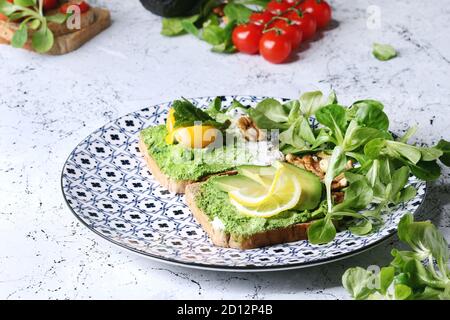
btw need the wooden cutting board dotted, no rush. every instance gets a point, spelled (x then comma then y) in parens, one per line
(92, 23)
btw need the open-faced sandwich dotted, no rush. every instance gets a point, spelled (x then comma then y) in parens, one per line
(50, 26)
(286, 171)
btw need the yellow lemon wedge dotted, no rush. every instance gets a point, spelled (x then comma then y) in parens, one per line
(170, 122)
(284, 194)
(194, 136)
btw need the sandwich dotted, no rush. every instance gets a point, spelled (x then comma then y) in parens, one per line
(195, 144)
(328, 168)
(54, 30)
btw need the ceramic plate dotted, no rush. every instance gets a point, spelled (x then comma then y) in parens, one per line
(110, 190)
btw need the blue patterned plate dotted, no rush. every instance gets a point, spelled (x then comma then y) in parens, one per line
(107, 186)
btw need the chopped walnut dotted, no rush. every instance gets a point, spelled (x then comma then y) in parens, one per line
(338, 196)
(307, 162)
(249, 129)
(318, 165)
(339, 182)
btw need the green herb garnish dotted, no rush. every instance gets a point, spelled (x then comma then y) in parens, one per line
(186, 115)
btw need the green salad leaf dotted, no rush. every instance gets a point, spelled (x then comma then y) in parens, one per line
(359, 133)
(419, 274)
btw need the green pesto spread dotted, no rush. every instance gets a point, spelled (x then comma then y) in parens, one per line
(185, 164)
(215, 203)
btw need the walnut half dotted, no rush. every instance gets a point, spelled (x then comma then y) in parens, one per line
(318, 164)
(249, 129)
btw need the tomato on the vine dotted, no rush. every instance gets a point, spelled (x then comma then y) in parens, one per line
(275, 46)
(261, 18)
(277, 7)
(290, 2)
(320, 9)
(291, 30)
(83, 5)
(305, 21)
(246, 37)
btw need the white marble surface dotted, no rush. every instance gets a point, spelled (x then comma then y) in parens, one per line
(48, 104)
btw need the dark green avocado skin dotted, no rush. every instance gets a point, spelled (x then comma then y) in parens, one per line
(171, 8)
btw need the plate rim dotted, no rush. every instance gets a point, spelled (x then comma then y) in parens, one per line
(212, 267)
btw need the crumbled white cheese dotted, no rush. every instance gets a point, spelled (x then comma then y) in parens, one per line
(217, 224)
(263, 153)
(260, 153)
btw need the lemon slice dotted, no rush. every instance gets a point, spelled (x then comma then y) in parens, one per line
(255, 196)
(283, 195)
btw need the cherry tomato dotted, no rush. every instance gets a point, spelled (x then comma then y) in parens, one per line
(49, 4)
(320, 9)
(277, 7)
(305, 21)
(83, 5)
(290, 2)
(291, 30)
(261, 18)
(246, 38)
(275, 46)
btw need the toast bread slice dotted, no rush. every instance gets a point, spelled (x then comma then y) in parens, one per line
(175, 186)
(92, 23)
(221, 238)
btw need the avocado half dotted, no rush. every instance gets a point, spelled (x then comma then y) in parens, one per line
(171, 8)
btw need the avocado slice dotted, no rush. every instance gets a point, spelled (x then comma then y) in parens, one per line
(230, 183)
(311, 188)
(172, 8)
(261, 174)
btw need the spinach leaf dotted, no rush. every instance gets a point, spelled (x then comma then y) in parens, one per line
(425, 170)
(273, 110)
(174, 26)
(321, 231)
(430, 154)
(333, 117)
(383, 52)
(421, 273)
(408, 134)
(311, 102)
(357, 281)
(336, 165)
(444, 146)
(213, 34)
(369, 114)
(357, 196)
(361, 228)
(360, 136)
(238, 12)
(20, 37)
(226, 46)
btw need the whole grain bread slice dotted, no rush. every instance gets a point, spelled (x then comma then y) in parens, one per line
(222, 238)
(175, 186)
